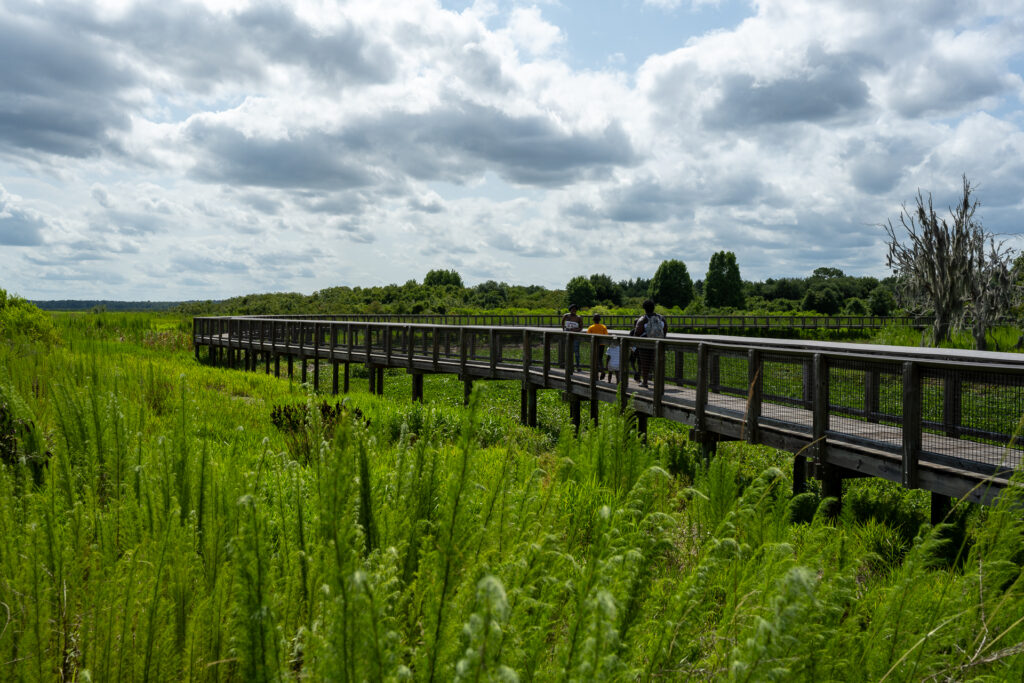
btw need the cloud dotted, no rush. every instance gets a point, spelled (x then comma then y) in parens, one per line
(18, 228)
(58, 96)
(828, 87)
(339, 144)
(313, 160)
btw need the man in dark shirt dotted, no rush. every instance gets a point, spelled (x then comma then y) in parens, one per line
(572, 322)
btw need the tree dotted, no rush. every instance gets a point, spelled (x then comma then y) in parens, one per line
(881, 301)
(827, 273)
(605, 289)
(442, 278)
(671, 285)
(825, 299)
(954, 269)
(581, 292)
(723, 286)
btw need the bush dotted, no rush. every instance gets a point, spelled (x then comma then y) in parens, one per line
(20, 318)
(855, 307)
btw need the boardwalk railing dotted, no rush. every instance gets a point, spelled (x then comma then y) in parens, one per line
(942, 420)
(623, 322)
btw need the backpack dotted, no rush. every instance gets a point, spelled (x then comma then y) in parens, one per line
(654, 326)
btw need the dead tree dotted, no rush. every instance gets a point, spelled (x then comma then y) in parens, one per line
(955, 268)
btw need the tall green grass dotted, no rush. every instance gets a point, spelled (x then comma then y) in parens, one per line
(173, 535)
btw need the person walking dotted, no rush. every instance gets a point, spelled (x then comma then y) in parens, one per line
(652, 326)
(572, 322)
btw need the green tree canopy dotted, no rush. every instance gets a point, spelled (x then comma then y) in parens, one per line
(825, 299)
(580, 291)
(723, 286)
(881, 301)
(671, 285)
(442, 278)
(605, 289)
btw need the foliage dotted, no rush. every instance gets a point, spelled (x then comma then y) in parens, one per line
(442, 278)
(823, 299)
(580, 291)
(855, 307)
(22, 319)
(671, 285)
(606, 290)
(881, 301)
(956, 270)
(723, 286)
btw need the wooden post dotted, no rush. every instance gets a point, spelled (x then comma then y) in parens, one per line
(659, 376)
(952, 393)
(410, 348)
(872, 394)
(820, 412)
(316, 374)
(305, 367)
(832, 484)
(345, 385)
(701, 396)
(291, 360)
(527, 354)
(373, 378)
(595, 367)
(380, 380)
(463, 339)
(467, 389)
(524, 403)
(911, 422)
(808, 380)
(641, 426)
(623, 373)
(755, 381)
(437, 348)
(531, 406)
(334, 377)
(417, 386)
(941, 506)
(546, 338)
(277, 365)
(574, 412)
(493, 351)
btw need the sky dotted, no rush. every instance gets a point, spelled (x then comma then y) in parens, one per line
(176, 151)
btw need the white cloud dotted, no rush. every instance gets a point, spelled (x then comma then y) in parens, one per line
(202, 142)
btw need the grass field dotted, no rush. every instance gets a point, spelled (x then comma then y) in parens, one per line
(155, 524)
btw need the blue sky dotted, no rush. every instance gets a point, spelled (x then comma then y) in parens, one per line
(201, 150)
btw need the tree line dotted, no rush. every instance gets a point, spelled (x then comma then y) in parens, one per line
(828, 291)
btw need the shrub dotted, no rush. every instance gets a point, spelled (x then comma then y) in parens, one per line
(20, 318)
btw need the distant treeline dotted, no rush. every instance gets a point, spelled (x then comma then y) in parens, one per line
(828, 291)
(105, 305)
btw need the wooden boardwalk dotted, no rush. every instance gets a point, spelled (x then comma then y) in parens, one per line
(941, 420)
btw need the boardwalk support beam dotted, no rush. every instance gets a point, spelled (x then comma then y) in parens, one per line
(417, 386)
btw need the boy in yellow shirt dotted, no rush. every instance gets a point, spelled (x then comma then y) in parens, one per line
(598, 328)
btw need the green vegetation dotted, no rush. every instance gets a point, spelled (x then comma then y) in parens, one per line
(165, 520)
(671, 285)
(442, 292)
(723, 287)
(20, 319)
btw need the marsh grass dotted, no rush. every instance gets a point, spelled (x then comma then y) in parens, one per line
(175, 536)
